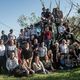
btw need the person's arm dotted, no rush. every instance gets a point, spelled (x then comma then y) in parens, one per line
(75, 54)
(42, 66)
(6, 52)
(7, 65)
(16, 53)
(35, 68)
(45, 50)
(16, 60)
(22, 56)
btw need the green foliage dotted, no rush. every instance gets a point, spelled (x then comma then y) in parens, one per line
(24, 21)
(75, 26)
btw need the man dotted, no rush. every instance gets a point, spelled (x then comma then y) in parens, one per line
(47, 37)
(58, 15)
(27, 54)
(4, 37)
(43, 13)
(11, 35)
(33, 31)
(42, 51)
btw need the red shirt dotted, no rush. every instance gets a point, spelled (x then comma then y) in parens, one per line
(48, 35)
(19, 55)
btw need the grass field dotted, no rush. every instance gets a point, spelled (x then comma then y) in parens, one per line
(58, 75)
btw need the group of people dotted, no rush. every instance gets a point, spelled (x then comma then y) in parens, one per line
(36, 51)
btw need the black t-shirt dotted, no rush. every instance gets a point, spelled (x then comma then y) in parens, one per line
(47, 14)
(4, 38)
(43, 14)
(26, 54)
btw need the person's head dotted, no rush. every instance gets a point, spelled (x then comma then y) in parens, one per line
(36, 59)
(11, 31)
(68, 42)
(47, 10)
(65, 25)
(49, 53)
(32, 37)
(12, 54)
(1, 42)
(21, 30)
(61, 57)
(31, 26)
(76, 45)
(42, 44)
(2, 32)
(26, 45)
(57, 44)
(43, 9)
(11, 42)
(47, 29)
(64, 41)
(46, 57)
(24, 29)
(35, 41)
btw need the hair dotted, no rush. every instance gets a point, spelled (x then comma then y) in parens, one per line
(11, 52)
(1, 41)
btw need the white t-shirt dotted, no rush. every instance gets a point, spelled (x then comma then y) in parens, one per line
(11, 63)
(64, 48)
(2, 50)
(11, 48)
(11, 36)
(42, 51)
(61, 29)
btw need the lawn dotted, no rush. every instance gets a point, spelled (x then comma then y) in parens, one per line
(58, 75)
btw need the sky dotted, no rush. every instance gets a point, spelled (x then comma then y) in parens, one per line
(10, 10)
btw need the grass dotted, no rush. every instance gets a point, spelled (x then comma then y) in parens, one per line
(58, 75)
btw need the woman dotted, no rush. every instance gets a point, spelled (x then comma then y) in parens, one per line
(48, 64)
(55, 51)
(13, 66)
(38, 66)
(50, 55)
(19, 50)
(25, 66)
(11, 47)
(23, 62)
